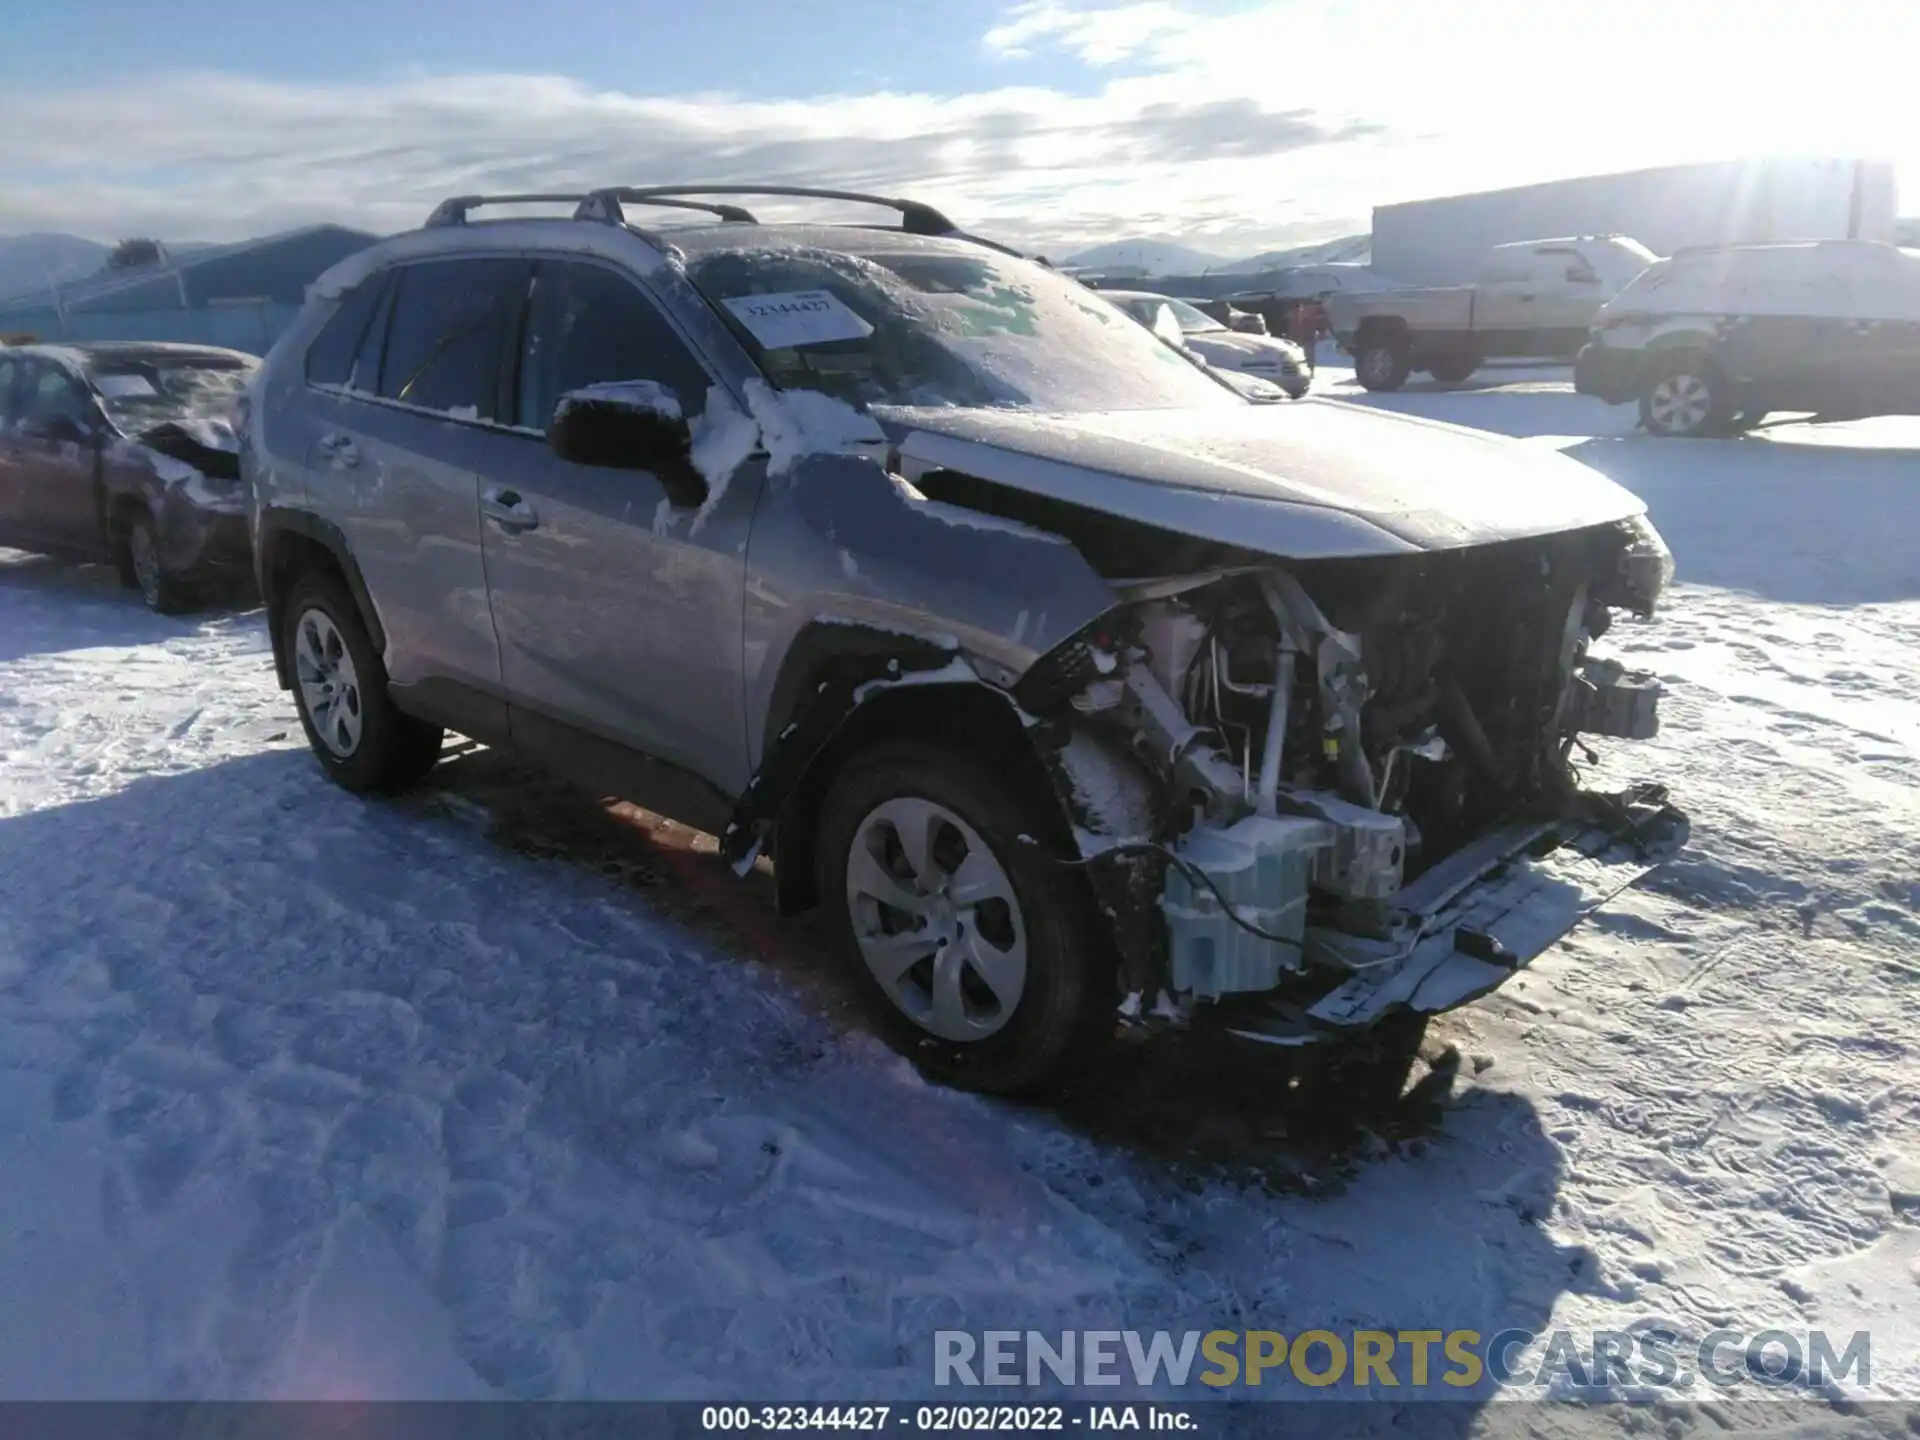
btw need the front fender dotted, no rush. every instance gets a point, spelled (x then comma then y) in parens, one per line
(845, 552)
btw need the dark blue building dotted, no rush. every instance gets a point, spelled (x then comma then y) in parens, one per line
(238, 296)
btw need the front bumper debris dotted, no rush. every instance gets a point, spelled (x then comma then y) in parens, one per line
(1473, 921)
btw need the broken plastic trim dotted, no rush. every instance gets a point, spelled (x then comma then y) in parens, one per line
(178, 442)
(852, 660)
(1477, 918)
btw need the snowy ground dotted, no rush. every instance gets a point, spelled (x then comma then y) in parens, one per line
(490, 1091)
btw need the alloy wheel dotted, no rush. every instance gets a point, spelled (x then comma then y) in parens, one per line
(937, 919)
(1680, 404)
(329, 685)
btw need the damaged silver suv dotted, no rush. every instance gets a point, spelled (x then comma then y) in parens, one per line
(1086, 692)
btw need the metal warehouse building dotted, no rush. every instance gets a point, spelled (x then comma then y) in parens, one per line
(239, 296)
(1443, 241)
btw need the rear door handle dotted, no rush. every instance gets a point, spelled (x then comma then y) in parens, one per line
(340, 449)
(504, 507)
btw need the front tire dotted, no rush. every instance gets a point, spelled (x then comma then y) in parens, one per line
(141, 568)
(1382, 367)
(363, 740)
(1685, 397)
(976, 953)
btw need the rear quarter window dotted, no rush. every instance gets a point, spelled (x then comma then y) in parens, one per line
(445, 338)
(330, 357)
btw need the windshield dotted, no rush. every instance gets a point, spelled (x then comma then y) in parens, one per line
(145, 390)
(1193, 321)
(929, 326)
(1190, 319)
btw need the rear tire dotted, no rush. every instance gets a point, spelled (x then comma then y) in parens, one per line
(137, 558)
(1452, 369)
(998, 995)
(1685, 397)
(363, 740)
(1382, 366)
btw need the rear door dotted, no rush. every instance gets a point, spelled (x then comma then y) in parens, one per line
(395, 467)
(619, 615)
(55, 462)
(1829, 320)
(1881, 340)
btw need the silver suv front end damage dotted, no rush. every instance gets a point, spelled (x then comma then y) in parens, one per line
(1301, 824)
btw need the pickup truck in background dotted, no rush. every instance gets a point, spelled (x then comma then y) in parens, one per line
(1533, 298)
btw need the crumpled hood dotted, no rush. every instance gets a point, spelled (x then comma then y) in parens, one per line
(1313, 479)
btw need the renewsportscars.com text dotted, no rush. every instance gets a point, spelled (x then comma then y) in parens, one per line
(1449, 1360)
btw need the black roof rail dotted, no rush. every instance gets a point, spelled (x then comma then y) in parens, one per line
(968, 236)
(605, 204)
(454, 211)
(916, 217)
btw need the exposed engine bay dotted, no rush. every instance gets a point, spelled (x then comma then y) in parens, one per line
(1310, 772)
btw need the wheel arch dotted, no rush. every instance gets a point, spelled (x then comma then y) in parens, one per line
(1383, 330)
(291, 543)
(1683, 338)
(844, 687)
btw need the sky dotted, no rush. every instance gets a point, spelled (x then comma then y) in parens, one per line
(1231, 125)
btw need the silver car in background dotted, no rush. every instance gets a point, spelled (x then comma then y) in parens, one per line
(1086, 694)
(1272, 358)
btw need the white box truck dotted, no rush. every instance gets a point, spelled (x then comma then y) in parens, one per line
(1443, 241)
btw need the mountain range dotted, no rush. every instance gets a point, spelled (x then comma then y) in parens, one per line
(1155, 255)
(34, 262)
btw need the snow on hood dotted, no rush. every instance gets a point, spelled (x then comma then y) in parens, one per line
(1314, 479)
(1230, 347)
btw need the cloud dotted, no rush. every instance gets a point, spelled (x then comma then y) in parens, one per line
(1234, 129)
(1099, 37)
(213, 156)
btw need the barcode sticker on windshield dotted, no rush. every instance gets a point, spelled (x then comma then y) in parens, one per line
(798, 317)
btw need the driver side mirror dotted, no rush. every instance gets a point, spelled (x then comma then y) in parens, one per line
(635, 426)
(1580, 275)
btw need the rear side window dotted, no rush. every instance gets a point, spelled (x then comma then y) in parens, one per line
(56, 396)
(1562, 264)
(330, 357)
(9, 384)
(446, 336)
(586, 326)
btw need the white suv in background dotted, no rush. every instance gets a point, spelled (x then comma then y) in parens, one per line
(1713, 339)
